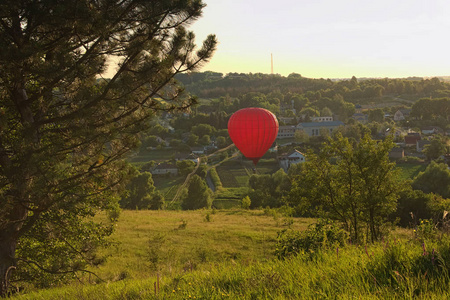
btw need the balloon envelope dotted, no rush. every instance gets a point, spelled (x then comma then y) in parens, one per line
(253, 130)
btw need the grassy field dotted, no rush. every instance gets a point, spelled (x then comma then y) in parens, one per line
(229, 255)
(168, 185)
(171, 241)
(409, 171)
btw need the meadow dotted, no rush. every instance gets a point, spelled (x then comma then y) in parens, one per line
(229, 254)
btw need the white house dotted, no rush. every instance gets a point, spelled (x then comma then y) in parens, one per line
(165, 168)
(322, 119)
(428, 130)
(198, 150)
(293, 158)
(313, 128)
(285, 132)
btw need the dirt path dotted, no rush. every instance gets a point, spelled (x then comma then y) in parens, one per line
(188, 177)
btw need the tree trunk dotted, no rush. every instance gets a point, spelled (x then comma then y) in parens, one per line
(8, 242)
(7, 262)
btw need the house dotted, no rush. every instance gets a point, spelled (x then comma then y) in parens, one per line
(401, 114)
(420, 145)
(313, 128)
(288, 160)
(360, 117)
(396, 133)
(198, 150)
(288, 120)
(431, 130)
(165, 168)
(322, 119)
(411, 139)
(285, 132)
(397, 153)
(192, 157)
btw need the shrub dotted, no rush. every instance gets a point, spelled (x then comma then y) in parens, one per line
(322, 234)
(246, 202)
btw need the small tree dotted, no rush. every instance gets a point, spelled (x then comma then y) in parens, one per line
(157, 201)
(353, 183)
(435, 179)
(198, 194)
(185, 167)
(138, 192)
(301, 136)
(246, 202)
(435, 149)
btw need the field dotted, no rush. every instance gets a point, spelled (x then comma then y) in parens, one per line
(409, 171)
(170, 241)
(228, 254)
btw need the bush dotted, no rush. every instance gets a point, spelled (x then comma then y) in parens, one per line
(322, 234)
(246, 202)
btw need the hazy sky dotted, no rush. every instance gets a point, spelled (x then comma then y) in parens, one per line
(329, 38)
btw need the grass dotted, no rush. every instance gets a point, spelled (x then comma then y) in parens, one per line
(409, 171)
(392, 269)
(235, 173)
(171, 241)
(168, 185)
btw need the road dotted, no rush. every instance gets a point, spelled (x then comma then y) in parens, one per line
(208, 178)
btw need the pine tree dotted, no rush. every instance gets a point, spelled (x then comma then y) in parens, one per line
(64, 128)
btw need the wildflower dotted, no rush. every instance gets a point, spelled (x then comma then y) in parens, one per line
(173, 291)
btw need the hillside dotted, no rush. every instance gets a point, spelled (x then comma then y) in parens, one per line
(181, 255)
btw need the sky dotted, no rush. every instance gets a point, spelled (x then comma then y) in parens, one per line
(329, 38)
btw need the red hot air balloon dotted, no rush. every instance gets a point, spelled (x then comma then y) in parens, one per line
(253, 130)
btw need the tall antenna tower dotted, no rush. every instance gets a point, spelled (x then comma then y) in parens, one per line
(271, 63)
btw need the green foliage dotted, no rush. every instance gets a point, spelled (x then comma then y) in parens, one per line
(208, 217)
(198, 195)
(435, 149)
(202, 170)
(232, 264)
(323, 234)
(376, 115)
(430, 109)
(138, 193)
(425, 231)
(267, 190)
(185, 167)
(351, 182)
(215, 178)
(246, 202)
(203, 129)
(413, 205)
(157, 201)
(64, 129)
(435, 179)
